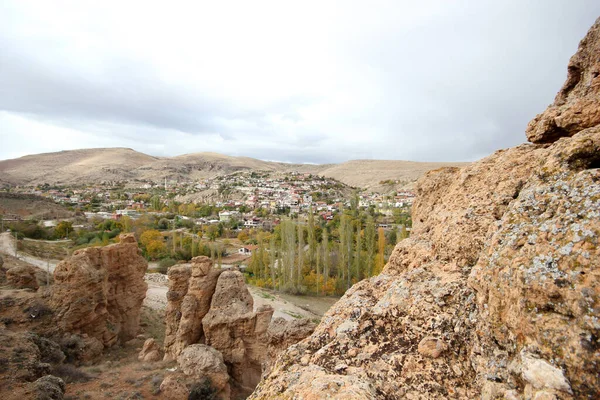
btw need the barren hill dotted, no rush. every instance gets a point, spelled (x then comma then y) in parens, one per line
(120, 164)
(73, 166)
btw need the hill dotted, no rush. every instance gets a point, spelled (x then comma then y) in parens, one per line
(120, 164)
(29, 206)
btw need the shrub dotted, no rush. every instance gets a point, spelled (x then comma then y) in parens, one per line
(70, 373)
(165, 263)
(203, 390)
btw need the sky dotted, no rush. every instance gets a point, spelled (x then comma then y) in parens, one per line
(294, 81)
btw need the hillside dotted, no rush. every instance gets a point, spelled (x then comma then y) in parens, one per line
(31, 206)
(120, 164)
(74, 166)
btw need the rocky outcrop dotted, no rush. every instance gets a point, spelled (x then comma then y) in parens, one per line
(236, 331)
(191, 288)
(496, 293)
(577, 105)
(283, 333)
(98, 292)
(212, 307)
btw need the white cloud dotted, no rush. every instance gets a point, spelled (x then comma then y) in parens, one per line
(295, 81)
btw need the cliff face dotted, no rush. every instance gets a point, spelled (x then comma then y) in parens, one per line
(99, 292)
(496, 293)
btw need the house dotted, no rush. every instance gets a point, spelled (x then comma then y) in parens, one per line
(247, 250)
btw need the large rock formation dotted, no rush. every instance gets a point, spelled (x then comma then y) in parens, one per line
(495, 295)
(191, 288)
(236, 331)
(98, 292)
(214, 308)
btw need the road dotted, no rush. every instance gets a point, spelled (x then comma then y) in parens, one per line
(7, 246)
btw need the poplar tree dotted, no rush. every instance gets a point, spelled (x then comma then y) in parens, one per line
(370, 245)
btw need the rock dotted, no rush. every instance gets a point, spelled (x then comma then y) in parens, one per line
(49, 387)
(541, 375)
(99, 291)
(281, 334)
(23, 277)
(150, 352)
(502, 260)
(192, 307)
(577, 105)
(432, 347)
(236, 331)
(200, 361)
(173, 388)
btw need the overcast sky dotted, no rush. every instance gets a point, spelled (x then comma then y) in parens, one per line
(297, 81)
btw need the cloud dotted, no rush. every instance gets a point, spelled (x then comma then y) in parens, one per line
(308, 82)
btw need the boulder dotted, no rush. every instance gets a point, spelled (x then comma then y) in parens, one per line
(49, 387)
(199, 361)
(150, 352)
(99, 291)
(23, 277)
(173, 388)
(495, 294)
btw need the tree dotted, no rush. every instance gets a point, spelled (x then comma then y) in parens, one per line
(155, 249)
(63, 229)
(326, 257)
(370, 244)
(380, 250)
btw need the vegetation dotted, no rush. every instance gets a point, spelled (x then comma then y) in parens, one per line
(301, 258)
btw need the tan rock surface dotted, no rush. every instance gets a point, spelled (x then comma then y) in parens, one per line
(577, 105)
(99, 291)
(191, 288)
(496, 293)
(236, 331)
(199, 361)
(22, 277)
(150, 352)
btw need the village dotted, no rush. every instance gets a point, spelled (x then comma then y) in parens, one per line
(251, 199)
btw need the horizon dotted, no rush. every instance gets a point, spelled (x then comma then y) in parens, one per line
(226, 155)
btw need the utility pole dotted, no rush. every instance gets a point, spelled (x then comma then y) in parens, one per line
(16, 245)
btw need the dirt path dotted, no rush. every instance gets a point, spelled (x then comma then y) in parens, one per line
(7, 246)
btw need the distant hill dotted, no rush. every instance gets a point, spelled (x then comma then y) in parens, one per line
(121, 164)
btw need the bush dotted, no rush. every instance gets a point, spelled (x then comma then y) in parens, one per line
(70, 373)
(203, 390)
(165, 263)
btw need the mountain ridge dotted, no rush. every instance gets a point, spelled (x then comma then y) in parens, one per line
(98, 165)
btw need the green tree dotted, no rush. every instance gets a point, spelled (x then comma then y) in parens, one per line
(63, 229)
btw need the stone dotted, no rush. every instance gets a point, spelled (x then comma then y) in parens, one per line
(22, 277)
(150, 352)
(173, 388)
(200, 361)
(432, 347)
(49, 387)
(541, 375)
(99, 291)
(190, 302)
(577, 105)
(236, 331)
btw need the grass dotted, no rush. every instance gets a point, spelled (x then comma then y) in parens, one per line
(293, 314)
